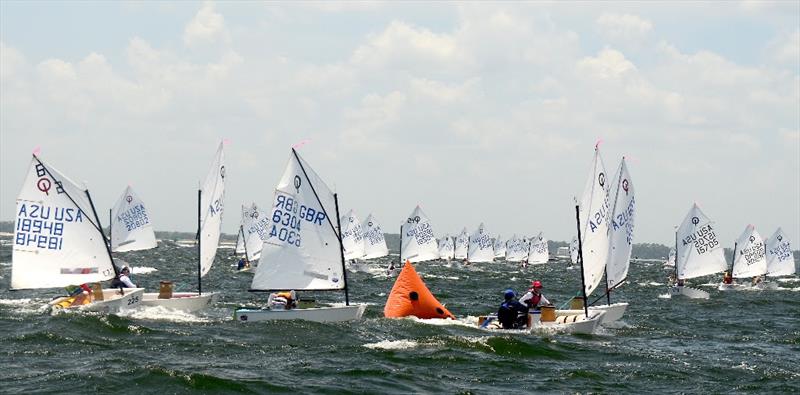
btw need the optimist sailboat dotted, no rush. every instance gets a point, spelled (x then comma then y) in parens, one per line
(780, 259)
(573, 250)
(749, 259)
(252, 233)
(130, 225)
(462, 245)
(621, 223)
(353, 241)
(303, 250)
(699, 253)
(59, 242)
(538, 252)
(481, 247)
(593, 237)
(516, 249)
(499, 247)
(417, 243)
(447, 248)
(374, 240)
(210, 207)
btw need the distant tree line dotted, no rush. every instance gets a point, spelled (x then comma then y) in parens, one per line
(640, 250)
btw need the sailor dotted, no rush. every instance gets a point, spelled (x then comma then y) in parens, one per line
(534, 298)
(757, 280)
(512, 314)
(243, 264)
(726, 278)
(284, 300)
(123, 280)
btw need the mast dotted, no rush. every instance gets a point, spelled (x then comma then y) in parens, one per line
(400, 254)
(110, 223)
(100, 229)
(341, 249)
(244, 243)
(199, 237)
(733, 258)
(676, 255)
(580, 259)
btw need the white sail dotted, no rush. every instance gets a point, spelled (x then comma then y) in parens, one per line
(212, 195)
(751, 256)
(594, 224)
(780, 259)
(499, 247)
(517, 249)
(623, 210)
(671, 257)
(254, 231)
(417, 241)
(462, 245)
(57, 238)
(538, 250)
(303, 250)
(699, 250)
(573, 250)
(481, 247)
(447, 247)
(131, 229)
(239, 250)
(374, 241)
(352, 236)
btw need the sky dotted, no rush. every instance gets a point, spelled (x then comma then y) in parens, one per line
(479, 112)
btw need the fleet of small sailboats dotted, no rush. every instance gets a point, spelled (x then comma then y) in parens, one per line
(304, 245)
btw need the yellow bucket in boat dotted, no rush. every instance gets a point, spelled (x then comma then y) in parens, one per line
(165, 289)
(97, 291)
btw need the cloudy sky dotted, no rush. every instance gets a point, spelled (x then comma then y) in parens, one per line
(479, 112)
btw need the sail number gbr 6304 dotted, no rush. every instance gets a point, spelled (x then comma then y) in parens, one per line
(288, 214)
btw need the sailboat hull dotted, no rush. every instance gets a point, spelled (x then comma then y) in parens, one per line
(183, 301)
(613, 312)
(316, 314)
(566, 322)
(112, 301)
(690, 293)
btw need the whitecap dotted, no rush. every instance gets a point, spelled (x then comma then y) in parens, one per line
(665, 296)
(161, 313)
(143, 270)
(392, 345)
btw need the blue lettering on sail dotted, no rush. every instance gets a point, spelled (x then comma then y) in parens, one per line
(41, 226)
(134, 218)
(704, 239)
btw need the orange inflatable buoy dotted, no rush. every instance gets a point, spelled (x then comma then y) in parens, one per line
(410, 296)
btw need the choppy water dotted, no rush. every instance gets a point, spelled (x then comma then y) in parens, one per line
(739, 341)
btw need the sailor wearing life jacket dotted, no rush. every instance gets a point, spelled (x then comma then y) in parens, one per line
(534, 298)
(285, 300)
(123, 280)
(512, 314)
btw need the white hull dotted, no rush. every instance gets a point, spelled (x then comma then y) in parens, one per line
(566, 322)
(613, 312)
(316, 314)
(184, 301)
(690, 293)
(112, 301)
(570, 323)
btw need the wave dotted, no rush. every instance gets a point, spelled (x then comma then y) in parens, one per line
(160, 313)
(393, 345)
(143, 270)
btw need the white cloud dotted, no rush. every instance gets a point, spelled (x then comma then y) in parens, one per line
(609, 64)
(786, 48)
(623, 27)
(206, 27)
(11, 62)
(401, 44)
